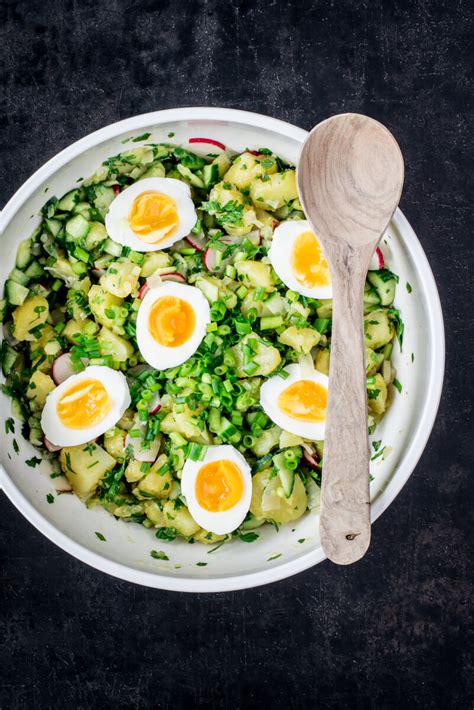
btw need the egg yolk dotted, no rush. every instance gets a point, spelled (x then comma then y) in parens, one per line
(153, 216)
(83, 405)
(218, 486)
(309, 265)
(171, 321)
(305, 399)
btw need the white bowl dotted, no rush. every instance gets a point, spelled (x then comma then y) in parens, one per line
(405, 429)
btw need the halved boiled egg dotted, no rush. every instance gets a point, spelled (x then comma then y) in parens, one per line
(171, 324)
(218, 489)
(298, 259)
(151, 214)
(298, 403)
(84, 406)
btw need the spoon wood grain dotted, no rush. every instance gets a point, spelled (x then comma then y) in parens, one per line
(350, 178)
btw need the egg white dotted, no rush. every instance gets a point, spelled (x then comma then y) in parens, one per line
(117, 389)
(116, 219)
(226, 521)
(274, 386)
(159, 356)
(280, 255)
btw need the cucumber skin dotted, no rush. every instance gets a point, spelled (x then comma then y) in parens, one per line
(23, 255)
(385, 289)
(15, 293)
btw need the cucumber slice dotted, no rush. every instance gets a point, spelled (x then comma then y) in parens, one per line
(23, 255)
(3, 309)
(54, 226)
(15, 293)
(112, 248)
(17, 410)
(9, 356)
(69, 201)
(210, 174)
(101, 196)
(385, 288)
(82, 208)
(223, 164)
(287, 477)
(18, 276)
(78, 227)
(372, 297)
(214, 420)
(34, 271)
(193, 179)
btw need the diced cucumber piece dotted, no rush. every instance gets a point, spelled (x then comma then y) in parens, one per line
(96, 235)
(70, 199)
(9, 356)
(210, 174)
(223, 164)
(372, 297)
(23, 255)
(17, 410)
(385, 287)
(34, 271)
(54, 226)
(3, 309)
(82, 208)
(193, 179)
(78, 227)
(15, 293)
(101, 196)
(287, 477)
(18, 276)
(113, 248)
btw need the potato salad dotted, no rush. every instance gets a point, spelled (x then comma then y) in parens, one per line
(167, 340)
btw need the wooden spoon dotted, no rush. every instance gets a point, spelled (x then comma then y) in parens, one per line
(350, 178)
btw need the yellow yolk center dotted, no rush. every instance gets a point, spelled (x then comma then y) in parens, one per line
(305, 400)
(153, 216)
(309, 265)
(218, 486)
(171, 321)
(83, 405)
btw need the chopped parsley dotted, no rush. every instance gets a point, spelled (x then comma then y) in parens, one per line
(159, 555)
(201, 564)
(100, 536)
(379, 453)
(34, 461)
(143, 137)
(230, 213)
(16, 448)
(408, 287)
(247, 537)
(10, 425)
(397, 385)
(274, 557)
(50, 498)
(377, 445)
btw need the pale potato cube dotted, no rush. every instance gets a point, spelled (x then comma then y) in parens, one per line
(255, 274)
(275, 191)
(39, 386)
(121, 278)
(246, 167)
(85, 466)
(31, 315)
(178, 517)
(113, 344)
(266, 356)
(303, 340)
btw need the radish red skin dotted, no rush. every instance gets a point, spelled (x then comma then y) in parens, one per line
(311, 461)
(62, 368)
(211, 141)
(173, 276)
(143, 290)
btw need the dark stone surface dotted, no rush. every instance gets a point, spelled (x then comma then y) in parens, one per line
(394, 630)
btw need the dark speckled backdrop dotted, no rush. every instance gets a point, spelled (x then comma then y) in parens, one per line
(394, 630)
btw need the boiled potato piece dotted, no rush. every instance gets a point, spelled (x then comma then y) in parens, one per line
(266, 441)
(321, 362)
(96, 235)
(85, 466)
(154, 513)
(113, 344)
(378, 329)
(134, 472)
(208, 538)
(101, 301)
(275, 191)
(302, 340)
(287, 440)
(178, 516)
(255, 274)
(246, 167)
(277, 507)
(121, 278)
(377, 395)
(181, 423)
(39, 387)
(32, 314)
(114, 443)
(266, 356)
(79, 327)
(372, 361)
(242, 223)
(155, 260)
(154, 483)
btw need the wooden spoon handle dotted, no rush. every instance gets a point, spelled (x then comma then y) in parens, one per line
(345, 502)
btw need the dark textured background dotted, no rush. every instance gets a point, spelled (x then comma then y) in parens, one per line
(392, 631)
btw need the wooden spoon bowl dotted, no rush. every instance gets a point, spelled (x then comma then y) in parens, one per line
(350, 178)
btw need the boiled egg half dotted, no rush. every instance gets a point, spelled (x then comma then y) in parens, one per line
(218, 489)
(298, 403)
(84, 406)
(171, 324)
(151, 214)
(298, 259)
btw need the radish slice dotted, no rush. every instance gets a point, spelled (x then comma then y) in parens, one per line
(196, 241)
(254, 152)
(173, 276)
(98, 272)
(210, 259)
(138, 369)
(141, 452)
(209, 141)
(155, 404)
(62, 368)
(377, 261)
(254, 237)
(116, 189)
(143, 289)
(50, 446)
(311, 461)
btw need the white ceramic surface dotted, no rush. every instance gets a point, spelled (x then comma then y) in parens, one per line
(405, 429)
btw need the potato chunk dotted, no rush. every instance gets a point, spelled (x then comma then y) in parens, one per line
(275, 191)
(268, 504)
(121, 278)
(378, 330)
(266, 357)
(85, 466)
(39, 387)
(31, 315)
(247, 167)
